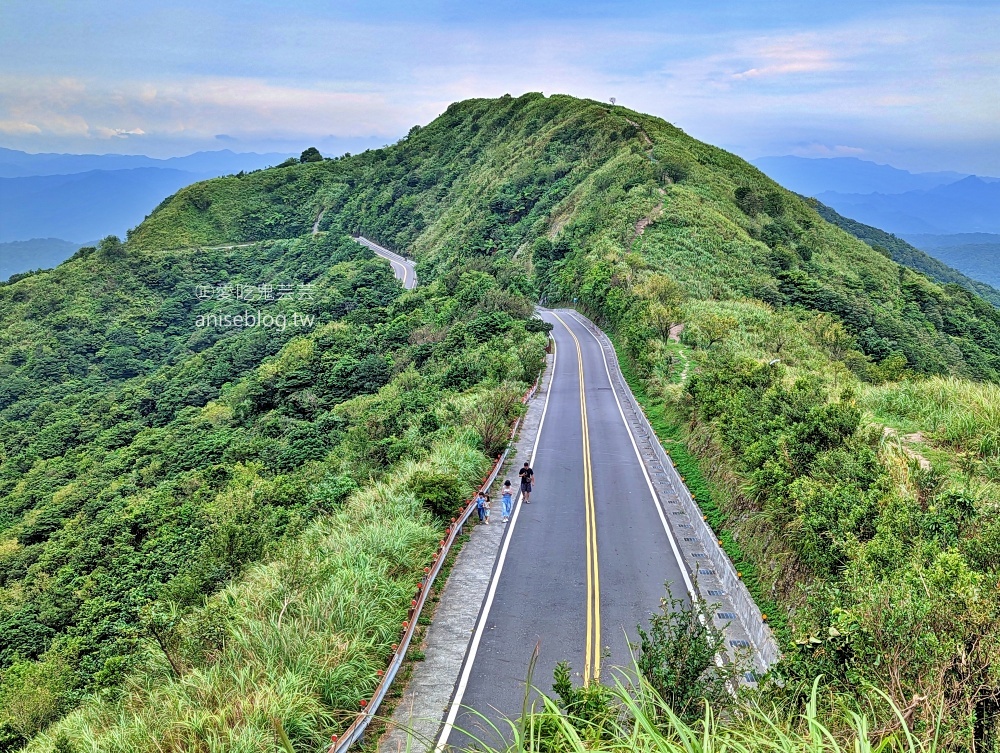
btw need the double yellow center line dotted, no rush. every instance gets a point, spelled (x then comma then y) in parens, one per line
(592, 660)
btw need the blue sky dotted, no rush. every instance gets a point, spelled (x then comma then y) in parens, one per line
(916, 85)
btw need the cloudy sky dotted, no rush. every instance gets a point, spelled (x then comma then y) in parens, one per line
(916, 85)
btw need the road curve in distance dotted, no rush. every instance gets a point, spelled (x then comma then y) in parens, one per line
(402, 267)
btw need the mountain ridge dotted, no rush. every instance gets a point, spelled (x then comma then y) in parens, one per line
(202, 484)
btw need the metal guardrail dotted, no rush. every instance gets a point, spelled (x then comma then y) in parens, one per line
(374, 246)
(749, 613)
(370, 706)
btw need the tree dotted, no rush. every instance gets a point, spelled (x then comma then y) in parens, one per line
(750, 202)
(713, 328)
(111, 247)
(831, 334)
(311, 155)
(491, 417)
(666, 296)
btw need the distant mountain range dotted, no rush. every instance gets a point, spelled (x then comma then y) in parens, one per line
(941, 267)
(975, 254)
(970, 205)
(83, 206)
(51, 204)
(40, 253)
(895, 200)
(954, 217)
(15, 164)
(848, 175)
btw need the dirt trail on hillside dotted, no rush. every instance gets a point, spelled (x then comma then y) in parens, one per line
(889, 432)
(645, 136)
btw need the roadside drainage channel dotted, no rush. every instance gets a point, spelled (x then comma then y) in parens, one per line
(715, 576)
(418, 716)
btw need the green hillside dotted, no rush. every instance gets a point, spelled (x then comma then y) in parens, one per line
(148, 463)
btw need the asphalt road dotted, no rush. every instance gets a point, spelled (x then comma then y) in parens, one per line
(401, 266)
(584, 562)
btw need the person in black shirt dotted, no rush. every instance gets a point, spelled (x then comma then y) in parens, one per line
(527, 479)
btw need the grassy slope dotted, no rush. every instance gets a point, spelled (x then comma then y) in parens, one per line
(562, 187)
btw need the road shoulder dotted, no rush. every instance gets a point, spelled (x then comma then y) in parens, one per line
(420, 713)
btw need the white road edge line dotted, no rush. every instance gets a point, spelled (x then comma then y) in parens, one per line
(394, 264)
(642, 464)
(379, 252)
(470, 660)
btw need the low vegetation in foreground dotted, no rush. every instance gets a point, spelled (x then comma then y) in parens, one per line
(637, 718)
(675, 697)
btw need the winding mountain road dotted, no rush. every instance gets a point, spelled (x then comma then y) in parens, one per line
(585, 561)
(402, 267)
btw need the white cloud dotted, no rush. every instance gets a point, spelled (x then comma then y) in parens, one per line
(121, 133)
(18, 128)
(789, 56)
(826, 150)
(197, 108)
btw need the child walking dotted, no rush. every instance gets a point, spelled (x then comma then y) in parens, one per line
(481, 506)
(487, 507)
(506, 497)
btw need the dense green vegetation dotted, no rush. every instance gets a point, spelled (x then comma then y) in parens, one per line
(147, 461)
(906, 254)
(158, 479)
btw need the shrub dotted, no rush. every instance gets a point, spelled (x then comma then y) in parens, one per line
(437, 492)
(749, 201)
(677, 658)
(311, 155)
(492, 416)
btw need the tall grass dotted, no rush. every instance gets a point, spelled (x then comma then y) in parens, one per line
(956, 412)
(645, 723)
(293, 646)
